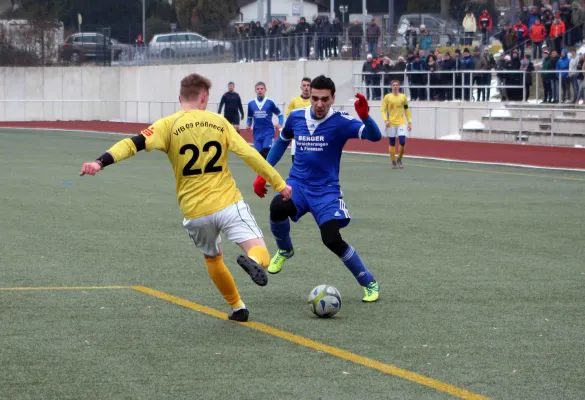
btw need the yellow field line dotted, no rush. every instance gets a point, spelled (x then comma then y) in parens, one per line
(484, 171)
(18, 289)
(311, 344)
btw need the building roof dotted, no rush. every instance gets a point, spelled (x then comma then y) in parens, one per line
(321, 3)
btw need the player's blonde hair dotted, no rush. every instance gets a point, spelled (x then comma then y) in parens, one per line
(193, 85)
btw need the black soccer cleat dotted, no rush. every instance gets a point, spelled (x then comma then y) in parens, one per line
(255, 270)
(239, 316)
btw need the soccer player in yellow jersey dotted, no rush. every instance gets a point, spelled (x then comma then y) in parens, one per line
(197, 144)
(302, 101)
(394, 108)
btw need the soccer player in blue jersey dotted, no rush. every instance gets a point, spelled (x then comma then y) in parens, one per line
(320, 133)
(260, 111)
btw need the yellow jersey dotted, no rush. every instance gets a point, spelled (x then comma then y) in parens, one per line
(394, 107)
(197, 144)
(296, 103)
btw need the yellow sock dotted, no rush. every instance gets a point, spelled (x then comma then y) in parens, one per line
(224, 281)
(401, 153)
(260, 255)
(393, 153)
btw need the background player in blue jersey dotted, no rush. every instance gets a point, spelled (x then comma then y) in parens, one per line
(320, 133)
(260, 111)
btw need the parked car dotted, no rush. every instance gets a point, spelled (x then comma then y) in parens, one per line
(91, 45)
(447, 29)
(185, 44)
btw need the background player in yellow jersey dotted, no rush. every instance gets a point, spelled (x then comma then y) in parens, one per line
(302, 101)
(394, 107)
(197, 143)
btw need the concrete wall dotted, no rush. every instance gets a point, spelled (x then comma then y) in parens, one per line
(144, 94)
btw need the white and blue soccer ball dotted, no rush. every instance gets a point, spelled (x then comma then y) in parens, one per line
(325, 301)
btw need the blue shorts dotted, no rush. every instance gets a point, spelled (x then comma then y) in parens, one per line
(263, 143)
(325, 203)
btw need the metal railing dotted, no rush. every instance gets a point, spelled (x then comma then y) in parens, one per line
(286, 46)
(471, 85)
(486, 122)
(310, 46)
(252, 49)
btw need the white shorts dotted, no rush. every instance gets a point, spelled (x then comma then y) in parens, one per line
(293, 147)
(393, 131)
(236, 222)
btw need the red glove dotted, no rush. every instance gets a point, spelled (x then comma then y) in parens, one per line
(361, 106)
(260, 187)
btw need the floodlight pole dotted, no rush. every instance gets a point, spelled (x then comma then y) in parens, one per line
(332, 11)
(269, 12)
(144, 20)
(390, 18)
(365, 12)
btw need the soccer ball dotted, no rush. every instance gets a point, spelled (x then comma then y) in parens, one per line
(324, 301)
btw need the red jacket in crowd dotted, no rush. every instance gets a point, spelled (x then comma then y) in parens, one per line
(522, 30)
(485, 20)
(537, 32)
(557, 29)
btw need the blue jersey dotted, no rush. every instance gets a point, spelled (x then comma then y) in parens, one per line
(319, 144)
(261, 113)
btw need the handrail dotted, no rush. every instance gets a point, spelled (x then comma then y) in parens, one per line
(466, 82)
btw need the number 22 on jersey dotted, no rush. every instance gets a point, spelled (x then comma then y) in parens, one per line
(210, 167)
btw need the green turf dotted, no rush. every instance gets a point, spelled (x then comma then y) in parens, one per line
(482, 275)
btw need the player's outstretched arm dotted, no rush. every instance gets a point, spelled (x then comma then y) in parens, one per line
(255, 161)
(277, 151)
(122, 150)
(371, 131)
(282, 141)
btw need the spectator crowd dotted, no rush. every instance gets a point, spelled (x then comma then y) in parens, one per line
(282, 40)
(555, 26)
(468, 75)
(549, 29)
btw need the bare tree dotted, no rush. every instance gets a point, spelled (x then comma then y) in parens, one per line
(35, 29)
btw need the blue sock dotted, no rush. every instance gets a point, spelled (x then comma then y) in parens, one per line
(354, 263)
(281, 232)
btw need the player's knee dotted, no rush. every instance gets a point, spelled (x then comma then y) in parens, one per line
(260, 255)
(332, 239)
(392, 141)
(402, 140)
(278, 209)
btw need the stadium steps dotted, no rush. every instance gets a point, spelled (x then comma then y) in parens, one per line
(528, 136)
(545, 124)
(551, 124)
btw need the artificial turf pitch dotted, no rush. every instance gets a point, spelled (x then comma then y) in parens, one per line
(481, 268)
